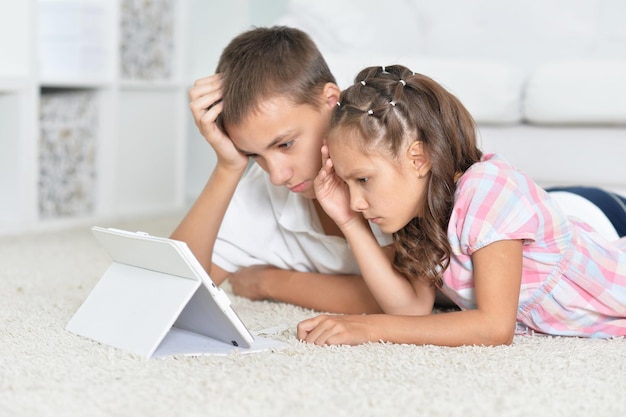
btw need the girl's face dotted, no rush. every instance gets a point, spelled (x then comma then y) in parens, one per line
(285, 139)
(388, 191)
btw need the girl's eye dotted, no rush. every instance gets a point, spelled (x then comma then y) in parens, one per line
(362, 179)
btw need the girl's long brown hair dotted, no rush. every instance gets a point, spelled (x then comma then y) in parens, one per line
(391, 107)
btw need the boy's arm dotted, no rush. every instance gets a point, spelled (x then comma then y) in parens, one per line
(201, 224)
(333, 293)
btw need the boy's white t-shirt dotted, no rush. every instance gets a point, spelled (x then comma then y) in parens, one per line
(270, 225)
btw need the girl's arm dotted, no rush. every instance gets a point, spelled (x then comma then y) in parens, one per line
(497, 271)
(393, 292)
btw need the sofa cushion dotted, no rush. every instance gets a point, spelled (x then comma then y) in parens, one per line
(362, 25)
(521, 32)
(490, 90)
(577, 92)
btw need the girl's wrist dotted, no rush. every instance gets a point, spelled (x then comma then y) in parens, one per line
(357, 222)
(375, 324)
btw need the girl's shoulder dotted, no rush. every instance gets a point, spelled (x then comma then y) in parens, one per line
(493, 201)
(494, 184)
(490, 166)
(491, 172)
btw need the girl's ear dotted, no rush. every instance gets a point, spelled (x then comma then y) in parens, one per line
(330, 94)
(419, 159)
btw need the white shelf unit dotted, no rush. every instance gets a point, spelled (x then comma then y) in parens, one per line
(92, 111)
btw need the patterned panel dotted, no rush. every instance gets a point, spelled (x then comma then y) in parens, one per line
(67, 153)
(146, 39)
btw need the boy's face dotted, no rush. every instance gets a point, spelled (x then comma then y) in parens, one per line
(285, 140)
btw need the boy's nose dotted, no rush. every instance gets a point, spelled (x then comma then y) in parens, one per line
(279, 174)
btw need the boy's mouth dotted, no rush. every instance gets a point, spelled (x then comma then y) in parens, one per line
(299, 188)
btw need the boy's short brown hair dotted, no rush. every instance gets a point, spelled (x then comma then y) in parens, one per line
(270, 61)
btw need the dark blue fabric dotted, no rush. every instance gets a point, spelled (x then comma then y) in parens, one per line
(613, 205)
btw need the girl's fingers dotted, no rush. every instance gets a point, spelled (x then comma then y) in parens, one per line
(329, 164)
(307, 326)
(325, 153)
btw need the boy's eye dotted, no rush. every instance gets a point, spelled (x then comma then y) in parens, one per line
(286, 145)
(362, 179)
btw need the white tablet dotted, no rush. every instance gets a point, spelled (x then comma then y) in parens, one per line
(155, 285)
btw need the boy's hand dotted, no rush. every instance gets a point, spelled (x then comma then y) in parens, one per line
(332, 193)
(205, 102)
(247, 282)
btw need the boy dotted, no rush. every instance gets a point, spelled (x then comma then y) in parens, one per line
(261, 228)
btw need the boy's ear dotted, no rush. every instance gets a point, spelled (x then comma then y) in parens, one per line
(330, 94)
(419, 159)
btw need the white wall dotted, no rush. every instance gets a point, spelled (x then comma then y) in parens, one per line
(212, 24)
(512, 38)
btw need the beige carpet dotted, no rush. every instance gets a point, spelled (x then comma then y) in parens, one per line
(46, 371)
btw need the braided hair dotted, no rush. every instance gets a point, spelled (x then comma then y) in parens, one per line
(391, 107)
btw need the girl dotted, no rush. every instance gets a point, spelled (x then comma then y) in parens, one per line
(402, 154)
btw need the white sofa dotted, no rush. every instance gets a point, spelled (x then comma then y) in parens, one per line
(544, 79)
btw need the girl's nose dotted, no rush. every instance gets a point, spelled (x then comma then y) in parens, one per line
(357, 202)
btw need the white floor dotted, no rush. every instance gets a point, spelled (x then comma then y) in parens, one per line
(46, 371)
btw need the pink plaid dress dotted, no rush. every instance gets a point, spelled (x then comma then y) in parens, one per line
(573, 280)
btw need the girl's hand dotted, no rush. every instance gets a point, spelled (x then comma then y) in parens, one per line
(205, 102)
(332, 192)
(336, 330)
